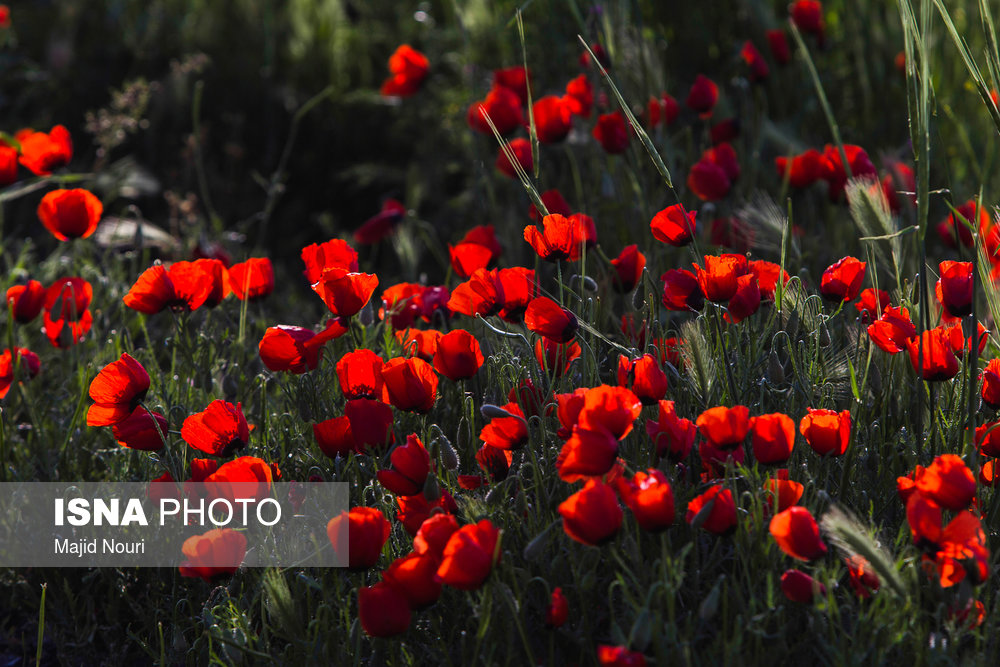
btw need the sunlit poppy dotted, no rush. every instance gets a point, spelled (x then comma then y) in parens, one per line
(367, 532)
(592, 515)
(782, 492)
(345, 293)
(335, 253)
(672, 436)
(116, 391)
(842, 280)
(553, 119)
(213, 555)
(773, 438)
(797, 534)
(828, 432)
(589, 452)
(644, 376)
(725, 428)
(414, 575)
(891, 331)
(674, 225)
(714, 510)
(954, 287)
(469, 556)
(628, 266)
(141, 430)
(219, 430)
(26, 300)
(252, 279)
(649, 496)
(408, 68)
(520, 148)
(502, 106)
(718, 280)
(991, 384)
(555, 357)
(932, 355)
(579, 96)
(42, 153)
(506, 432)
(948, 482)
(560, 238)
(872, 303)
(409, 384)
(547, 318)
(419, 343)
(746, 301)
(295, 349)
(70, 214)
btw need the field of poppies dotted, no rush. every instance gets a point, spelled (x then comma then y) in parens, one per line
(643, 333)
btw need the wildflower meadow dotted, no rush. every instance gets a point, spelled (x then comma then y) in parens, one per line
(635, 333)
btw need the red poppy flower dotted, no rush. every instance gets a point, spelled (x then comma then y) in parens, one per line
(66, 332)
(553, 119)
(494, 462)
(991, 384)
(70, 214)
(842, 280)
(599, 53)
(409, 384)
(682, 291)
(951, 227)
(746, 301)
(502, 106)
(141, 431)
(409, 68)
(414, 575)
(614, 408)
(556, 357)
(670, 351)
(703, 95)
(714, 509)
(506, 432)
(827, 431)
(932, 355)
(628, 266)
(117, 391)
(611, 132)
(547, 318)
(648, 381)
(808, 17)
(433, 536)
(478, 295)
(589, 452)
(579, 96)
(68, 299)
(715, 460)
(418, 343)
(371, 422)
(458, 355)
(568, 410)
(345, 293)
(833, 167)
(725, 428)
(674, 225)
(801, 170)
(219, 430)
(295, 349)
(554, 203)
(214, 554)
(28, 362)
(671, 435)
(800, 587)
(203, 282)
(773, 438)
(649, 496)
(954, 287)
(782, 492)
(560, 238)
(872, 304)
(619, 656)
(26, 300)
(521, 150)
(470, 555)
(796, 532)
(515, 79)
(755, 61)
(334, 437)
(899, 180)
(778, 43)
(709, 178)
(948, 482)
(558, 609)
(360, 374)
(384, 609)
(382, 224)
(592, 515)
(43, 153)
(892, 330)
(334, 253)
(367, 532)
(862, 579)
(410, 466)
(403, 304)
(959, 343)
(8, 165)
(663, 109)
(719, 279)
(252, 279)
